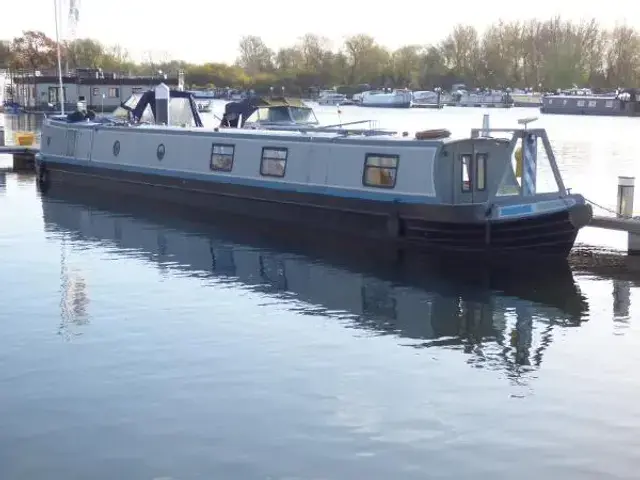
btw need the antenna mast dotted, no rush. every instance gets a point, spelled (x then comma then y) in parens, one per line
(72, 24)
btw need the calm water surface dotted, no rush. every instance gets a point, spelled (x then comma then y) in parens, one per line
(139, 345)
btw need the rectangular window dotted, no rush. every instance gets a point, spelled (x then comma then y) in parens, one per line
(273, 162)
(581, 103)
(222, 157)
(465, 161)
(137, 90)
(609, 104)
(481, 171)
(96, 91)
(114, 92)
(592, 103)
(380, 170)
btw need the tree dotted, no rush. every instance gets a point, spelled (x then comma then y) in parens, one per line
(5, 54)
(255, 57)
(34, 50)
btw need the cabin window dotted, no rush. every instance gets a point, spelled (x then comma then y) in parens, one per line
(465, 161)
(481, 171)
(609, 104)
(580, 103)
(380, 170)
(95, 91)
(592, 103)
(114, 92)
(222, 157)
(274, 162)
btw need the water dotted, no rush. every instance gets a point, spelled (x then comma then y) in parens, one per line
(137, 344)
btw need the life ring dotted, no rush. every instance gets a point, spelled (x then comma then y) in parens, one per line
(433, 134)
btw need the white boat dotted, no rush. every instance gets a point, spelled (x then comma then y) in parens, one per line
(204, 106)
(382, 99)
(331, 97)
(427, 99)
(492, 98)
(425, 191)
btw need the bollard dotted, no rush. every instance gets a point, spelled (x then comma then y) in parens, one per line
(1, 136)
(624, 209)
(485, 125)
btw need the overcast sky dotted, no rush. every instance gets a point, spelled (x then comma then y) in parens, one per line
(199, 31)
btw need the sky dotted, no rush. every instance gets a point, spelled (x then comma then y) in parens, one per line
(202, 31)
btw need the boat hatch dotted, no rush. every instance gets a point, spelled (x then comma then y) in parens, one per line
(473, 173)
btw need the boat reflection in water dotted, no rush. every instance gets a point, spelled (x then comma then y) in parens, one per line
(501, 319)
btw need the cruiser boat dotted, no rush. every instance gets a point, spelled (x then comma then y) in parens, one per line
(382, 99)
(204, 107)
(425, 191)
(331, 97)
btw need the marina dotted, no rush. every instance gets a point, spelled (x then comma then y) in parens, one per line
(206, 280)
(105, 263)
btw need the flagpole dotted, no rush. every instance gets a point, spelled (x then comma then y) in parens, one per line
(61, 93)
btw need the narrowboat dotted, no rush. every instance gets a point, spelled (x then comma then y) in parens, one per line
(623, 103)
(427, 191)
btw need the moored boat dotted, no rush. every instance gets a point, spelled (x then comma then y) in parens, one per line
(331, 97)
(625, 103)
(382, 99)
(427, 99)
(204, 107)
(428, 191)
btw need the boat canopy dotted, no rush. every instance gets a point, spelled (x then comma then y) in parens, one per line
(142, 107)
(269, 110)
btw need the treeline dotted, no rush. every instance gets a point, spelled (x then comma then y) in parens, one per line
(537, 54)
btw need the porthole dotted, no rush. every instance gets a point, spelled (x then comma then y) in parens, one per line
(160, 151)
(116, 148)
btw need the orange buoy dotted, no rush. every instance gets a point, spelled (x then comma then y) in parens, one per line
(433, 134)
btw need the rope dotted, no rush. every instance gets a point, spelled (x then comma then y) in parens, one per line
(609, 210)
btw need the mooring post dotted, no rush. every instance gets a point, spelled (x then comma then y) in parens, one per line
(624, 209)
(163, 94)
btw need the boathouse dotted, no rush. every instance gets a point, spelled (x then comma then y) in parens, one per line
(101, 91)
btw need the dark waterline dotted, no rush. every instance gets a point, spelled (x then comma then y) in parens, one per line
(140, 343)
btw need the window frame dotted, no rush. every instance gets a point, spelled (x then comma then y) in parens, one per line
(485, 160)
(232, 155)
(263, 158)
(366, 167)
(463, 157)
